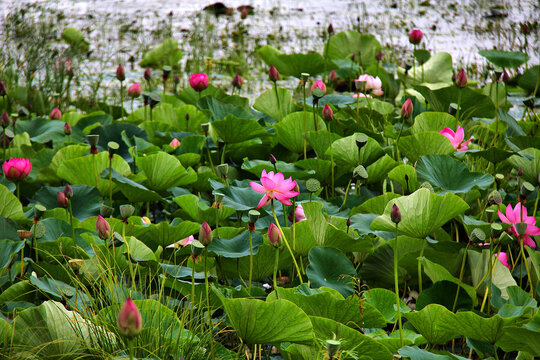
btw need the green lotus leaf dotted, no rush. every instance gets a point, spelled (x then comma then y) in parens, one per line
(517, 338)
(166, 53)
(444, 293)
(493, 154)
(530, 79)
(505, 59)
(237, 246)
(346, 151)
(375, 205)
(85, 203)
(433, 121)
(268, 103)
(392, 341)
(385, 301)
(347, 43)
(502, 277)
(320, 141)
(115, 132)
(414, 352)
(43, 130)
(331, 268)
(437, 70)
(530, 168)
(292, 64)
(164, 171)
(75, 38)
(11, 207)
(437, 324)
(450, 175)
(425, 143)
(322, 168)
(19, 291)
(398, 175)
(55, 288)
(380, 169)
(200, 211)
(290, 131)
(164, 234)
(8, 248)
(221, 109)
(131, 189)
(233, 130)
(422, 213)
(259, 322)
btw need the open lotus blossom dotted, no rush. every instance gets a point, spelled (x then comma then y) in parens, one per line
(367, 84)
(503, 258)
(174, 143)
(299, 214)
(514, 216)
(456, 138)
(183, 243)
(16, 169)
(275, 186)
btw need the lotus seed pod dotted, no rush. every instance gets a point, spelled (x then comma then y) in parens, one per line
(426, 185)
(313, 185)
(127, 210)
(361, 141)
(494, 198)
(478, 236)
(360, 172)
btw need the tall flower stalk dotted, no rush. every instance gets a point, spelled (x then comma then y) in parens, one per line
(395, 215)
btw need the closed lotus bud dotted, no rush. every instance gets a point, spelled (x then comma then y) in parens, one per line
(205, 234)
(330, 29)
(61, 199)
(274, 161)
(461, 79)
(68, 191)
(274, 235)
(273, 73)
(415, 37)
(198, 82)
(103, 228)
(244, 13)
(395, 214)
(67, 129)
(379, 55)
(525, 28)
(333, 76)
(127, 210)
(327, 113)
(120, 73)
(3, 89)
(174, 143)
(55, 114)
(4, 120)
(147, 74)
(318, 84)
(505, 76)
(129, 319)
(237, 81)
(407, 109)
(135, 90)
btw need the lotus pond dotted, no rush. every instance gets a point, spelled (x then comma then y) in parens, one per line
(354, 206)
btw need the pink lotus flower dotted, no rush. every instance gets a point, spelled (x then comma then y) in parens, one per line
(120, 73)
(134, 90)
(368, 84)
(55, 114)
(273, 73)
(145, 220)
(407, 109)
(461, 79)
(275, 187)
(61, 199)
(514, 216)
(16, 169)
(318, 84)
(103, 228)
(174, 143)
(129, 319)
(274, 235)
(67, 129)
(503, 258)
(183, 243)
(333, 76)
(205, 234)
(299, 214)
(199, 81)
(456, 138)
(415, 36)
(327, 113)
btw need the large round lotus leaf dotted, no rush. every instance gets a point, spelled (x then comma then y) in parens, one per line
(405, 175)
(233, 130)
(346, 151)
(290, 131)
(43, 130)
(163, 234)
(530, 168)
(11, 207)
(450, 175)
(425, 143)
(237, 246)
(530, 79)
(164, 171)
(199, 210)
(331, 268)
(436, 323)
(293, 64)
(438, 69)
(433, 121)
(517, 338)
(8, 248)
(289, 170)
(505, 59)
(86, 201)
(380, 169)
(320, 141)
(166, 53)
(422, 213)
(328, 303)
(385, 301)
(221, 109)
(444, 293)
(131, 189)
(267, 103)
(259, 322)
(347, 43)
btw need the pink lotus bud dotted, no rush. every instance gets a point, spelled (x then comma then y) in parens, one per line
(174, 143)
(237, 81)
(273, 73)
(205, 234)
(61, 199)
(147, 74)
(415, 37)
(333, 76)
(395, 214)
(407, 109)
(199, 81)
(16, 169)
(318, 84)
(67, 129)
(134, 90)
(525, 28)
(461, 79)
(120, 73)
(103, 228)
(330, 29)
(55, 114)
(274, 235)
(4, 120)
(379, 55)
(506, 76)
(244, 13)
(3, 89)
(129, 319)
(299, 214)
(272, 159)
(68, 191)
(327, 113)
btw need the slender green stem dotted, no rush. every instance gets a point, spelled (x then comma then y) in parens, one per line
(110, 182)
(209, 155)
(250, 260)
(397, 140)
(286, 242)
(34, 241)
(122, 100)
(414, 65)
(278, 102)
(420, 266)
(4, 144)
(305, 123)
(332, 159)
(460, 277)
(276, 265)
(357, 106)
(130, 341)
(223, 153)
(315, 111)
(536, 202)
(396, 283)
(458, 104)
(18, 190)
(524, 259)
(71, 221)
(95, 169)
(192, 291)
(207, 288)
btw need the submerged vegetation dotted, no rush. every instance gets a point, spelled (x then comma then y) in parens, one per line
(357, 202)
